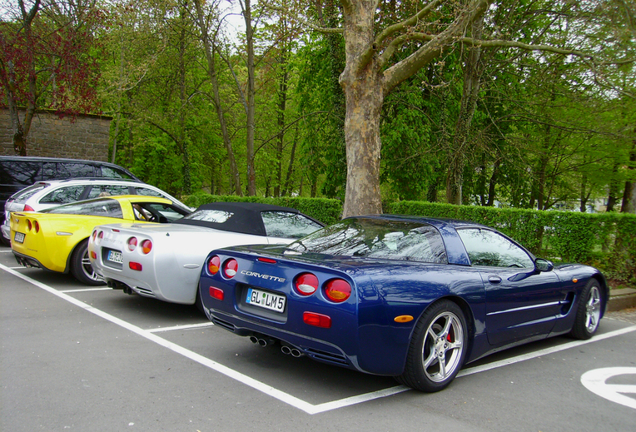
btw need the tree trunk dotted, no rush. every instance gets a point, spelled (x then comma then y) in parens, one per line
(472, 77)
(282, 103)
(187, 187)
(629, 196)
(212, 74)
(493, 184)
(613, 190)
(364, 94)
(251, 105)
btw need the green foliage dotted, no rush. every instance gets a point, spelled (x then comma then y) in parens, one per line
(606, 240)
(327, 211)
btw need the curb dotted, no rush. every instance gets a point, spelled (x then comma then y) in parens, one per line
(620, 299)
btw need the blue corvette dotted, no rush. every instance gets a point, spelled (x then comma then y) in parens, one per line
(414, 298)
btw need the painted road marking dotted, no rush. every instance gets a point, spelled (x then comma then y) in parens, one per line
(180, 327)
(595, 381)
(85, 290)
(274, 392)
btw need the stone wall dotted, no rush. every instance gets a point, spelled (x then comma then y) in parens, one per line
(84, 138)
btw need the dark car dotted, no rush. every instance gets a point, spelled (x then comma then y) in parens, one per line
(414, 298)
(18, 172)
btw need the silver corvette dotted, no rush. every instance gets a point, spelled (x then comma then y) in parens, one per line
(164, 261)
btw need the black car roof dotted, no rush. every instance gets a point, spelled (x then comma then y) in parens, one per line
(246, 217)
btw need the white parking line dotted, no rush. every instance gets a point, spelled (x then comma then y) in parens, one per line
(278, 394)
(86, 289)
(180, 327)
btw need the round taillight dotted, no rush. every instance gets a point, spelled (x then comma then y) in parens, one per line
(132, 243)
(36, 225)
(214, 263)
(338, 290)
(306, 284)
(94, 235)
(101, 235)
(230, 268)
(146, 247)
(29, 225)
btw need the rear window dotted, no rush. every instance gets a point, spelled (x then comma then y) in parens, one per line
(26, 193)
(107, 207)
(377, 238)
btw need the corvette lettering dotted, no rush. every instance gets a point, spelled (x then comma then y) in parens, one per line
(262, 276)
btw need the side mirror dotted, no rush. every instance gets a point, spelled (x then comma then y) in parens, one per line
(543, 265)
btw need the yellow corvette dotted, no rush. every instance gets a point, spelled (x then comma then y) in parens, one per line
(56, 239)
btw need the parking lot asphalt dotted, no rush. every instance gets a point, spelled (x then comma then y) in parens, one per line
(94, 359)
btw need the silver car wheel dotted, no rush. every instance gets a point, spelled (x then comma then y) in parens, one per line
(593, 310)
(443, 347)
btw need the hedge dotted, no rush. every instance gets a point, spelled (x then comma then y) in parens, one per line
(604, 240)
(327, 211)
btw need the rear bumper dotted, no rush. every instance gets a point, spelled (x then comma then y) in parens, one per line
(322, 351)
(27, 261)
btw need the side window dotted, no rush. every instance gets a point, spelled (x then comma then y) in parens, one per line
(149, 192)
(107, 190)
(68, 170)
(114, 173)
(63, 195)
(288, 225)
(49, 171)
(488, 248)
(19, 172)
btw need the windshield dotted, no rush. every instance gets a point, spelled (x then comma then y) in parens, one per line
(376, 238)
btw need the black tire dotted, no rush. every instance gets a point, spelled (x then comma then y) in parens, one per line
(198, 302)
(588, 311)
(81, 267)
(437, 349)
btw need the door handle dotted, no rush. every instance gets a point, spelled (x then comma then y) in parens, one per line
(494, 279)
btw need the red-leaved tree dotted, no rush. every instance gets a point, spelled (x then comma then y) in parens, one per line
(48, 61)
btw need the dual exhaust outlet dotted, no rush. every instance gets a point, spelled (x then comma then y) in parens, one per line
(285, 349)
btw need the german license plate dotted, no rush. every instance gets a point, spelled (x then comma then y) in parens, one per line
(115, 256)
(265, 300)
(19, 237)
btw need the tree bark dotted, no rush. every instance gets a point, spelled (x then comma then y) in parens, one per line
(363, 87)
